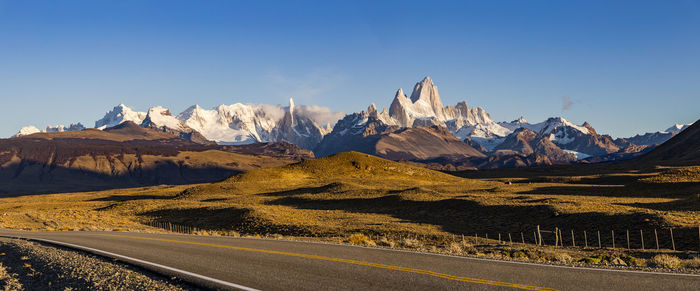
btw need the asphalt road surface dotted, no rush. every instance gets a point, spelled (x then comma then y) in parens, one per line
(244, 263)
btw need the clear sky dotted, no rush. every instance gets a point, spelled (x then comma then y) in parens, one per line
(626, 67)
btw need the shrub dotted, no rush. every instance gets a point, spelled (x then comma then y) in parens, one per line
(386, 242)
(632, 261)
(592, 259)
(468, 248)
(455, 248)
(666, 261)
(519, 255)
(693, 263)
(411, 243)
(360, 239)
(563, 257)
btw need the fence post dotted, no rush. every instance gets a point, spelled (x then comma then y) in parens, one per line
(599, 245)
(476, 239)
(487, 238)
(510, 239)
(699, 238)
(613, 238)
(585, 239)
(573, 241)
(641, 235)
(539, 235)
(556, 237)
(673, 243)
(628, 239)
(561, 237)
(499, 238)
(656, 236)
(534, 233)
(522, 237)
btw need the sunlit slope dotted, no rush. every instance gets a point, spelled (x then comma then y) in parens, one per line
(343, 171)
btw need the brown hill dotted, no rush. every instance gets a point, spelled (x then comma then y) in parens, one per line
(682, 149)
(396, 143)
(347, 172)
(125, 156)
(423, 143)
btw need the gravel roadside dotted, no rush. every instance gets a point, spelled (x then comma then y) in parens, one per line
(28, 265)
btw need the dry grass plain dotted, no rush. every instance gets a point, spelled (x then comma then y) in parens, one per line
(394, 204)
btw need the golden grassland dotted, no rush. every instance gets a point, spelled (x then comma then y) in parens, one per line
(392, 203)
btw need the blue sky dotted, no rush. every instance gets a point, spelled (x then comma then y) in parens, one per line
(628, 66)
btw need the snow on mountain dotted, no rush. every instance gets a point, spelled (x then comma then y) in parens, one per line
(579, 156)
(552, 124)
(226, 124)
(659, 137)
(233, 124)
(61, 128)
(676, 128)
(119, 114)
(558, 129)
(425, 108)
(27, 130)
(248, 123)
(306, 126)
(160, 118)
(582, 139)
(515, 124)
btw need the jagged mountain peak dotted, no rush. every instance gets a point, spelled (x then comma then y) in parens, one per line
(554, 123)
(372, 108)
(426, 92)
(161, 118)
(590, 128)
(400, 93)
(118, 114)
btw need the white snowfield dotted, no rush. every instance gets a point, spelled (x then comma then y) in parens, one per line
(226, 124)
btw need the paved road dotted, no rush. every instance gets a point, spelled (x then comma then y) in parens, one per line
(275, 265)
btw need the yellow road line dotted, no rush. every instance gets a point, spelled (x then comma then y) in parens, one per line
(347, 261)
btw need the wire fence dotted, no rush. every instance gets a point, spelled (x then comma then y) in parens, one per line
(173, 227)
(676, 239)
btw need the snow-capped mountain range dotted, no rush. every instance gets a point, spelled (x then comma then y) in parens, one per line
(307, 126)
(225, 124)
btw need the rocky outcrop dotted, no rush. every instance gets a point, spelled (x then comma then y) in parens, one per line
(528, 142)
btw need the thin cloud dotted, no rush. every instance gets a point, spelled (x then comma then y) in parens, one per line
(567, 103)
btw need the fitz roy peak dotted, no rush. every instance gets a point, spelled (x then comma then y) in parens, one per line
(425, 108)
